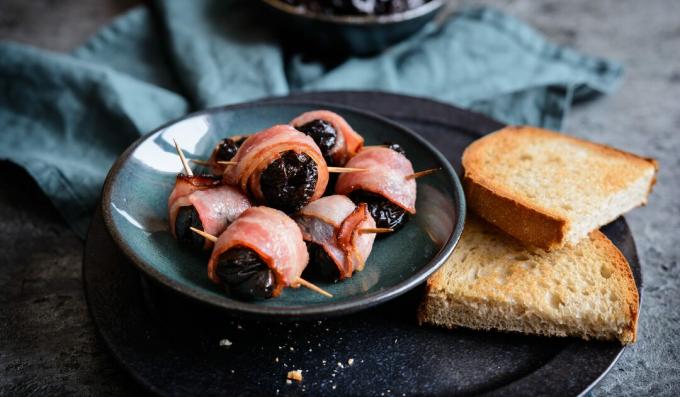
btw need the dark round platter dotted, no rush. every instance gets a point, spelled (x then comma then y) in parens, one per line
(174, 346)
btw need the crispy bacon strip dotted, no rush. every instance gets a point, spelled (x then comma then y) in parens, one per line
(273, 236)
(185, 184)
(333, 222)
(217, 205)
(348, 142)
(386, 175)
(262, 148)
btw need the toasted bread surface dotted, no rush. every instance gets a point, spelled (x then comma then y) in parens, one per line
(491, 281)
(548, 189)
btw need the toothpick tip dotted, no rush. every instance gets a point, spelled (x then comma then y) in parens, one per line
(185, 164)
(203, 234)
(419, 174)
(314, 288)
(376, 230)
(344, 170)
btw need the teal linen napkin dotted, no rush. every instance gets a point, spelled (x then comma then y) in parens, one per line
(65, 118)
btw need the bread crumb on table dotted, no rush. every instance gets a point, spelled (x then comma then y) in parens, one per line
(295, 375)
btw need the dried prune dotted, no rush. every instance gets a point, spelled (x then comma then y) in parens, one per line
(321, 267)
(384, 212)
(244, 274)
(396, 147)
(227, 148)
(289, 182)
(324, 135)
(187, 217)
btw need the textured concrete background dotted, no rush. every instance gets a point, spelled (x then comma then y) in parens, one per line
(48, 345)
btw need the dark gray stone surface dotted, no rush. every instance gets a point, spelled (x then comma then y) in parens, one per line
(48, 345)
(644, 117)
(56, 25)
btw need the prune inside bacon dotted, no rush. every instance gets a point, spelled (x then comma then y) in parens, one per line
(384, 212)
(323, 134)
(321, 267)
(357, 7)
(227, 148)
(244, 274)
(396, 147)
(289, 182)
(187, 217)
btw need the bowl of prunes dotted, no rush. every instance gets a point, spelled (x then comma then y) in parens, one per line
(349, 27)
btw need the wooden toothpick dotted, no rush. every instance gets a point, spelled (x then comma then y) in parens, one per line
(200, 162)
(203, 234)
(422, 173)
(187, 169)
(313, 287)
(375, 230)
(344, 170)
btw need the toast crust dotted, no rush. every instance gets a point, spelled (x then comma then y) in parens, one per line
(443, 306)
(632, 297)
(517, 215)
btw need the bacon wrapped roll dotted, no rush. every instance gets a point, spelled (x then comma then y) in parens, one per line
(330, 227)
(383, 186)
(259, 254)
(334, 136)
(204, 203)
(281, 167)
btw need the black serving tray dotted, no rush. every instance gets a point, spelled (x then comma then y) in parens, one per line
(175, 346)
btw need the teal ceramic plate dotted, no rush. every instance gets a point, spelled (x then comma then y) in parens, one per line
(135, 197)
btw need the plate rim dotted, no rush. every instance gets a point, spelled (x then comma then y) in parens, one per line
(322, 310)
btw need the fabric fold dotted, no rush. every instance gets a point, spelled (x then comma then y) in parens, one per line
(65, 118)
(65, 121)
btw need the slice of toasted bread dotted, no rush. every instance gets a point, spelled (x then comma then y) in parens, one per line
(547, 189)
(493, 282)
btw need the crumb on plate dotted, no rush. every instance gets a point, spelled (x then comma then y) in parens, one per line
(295, 375)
